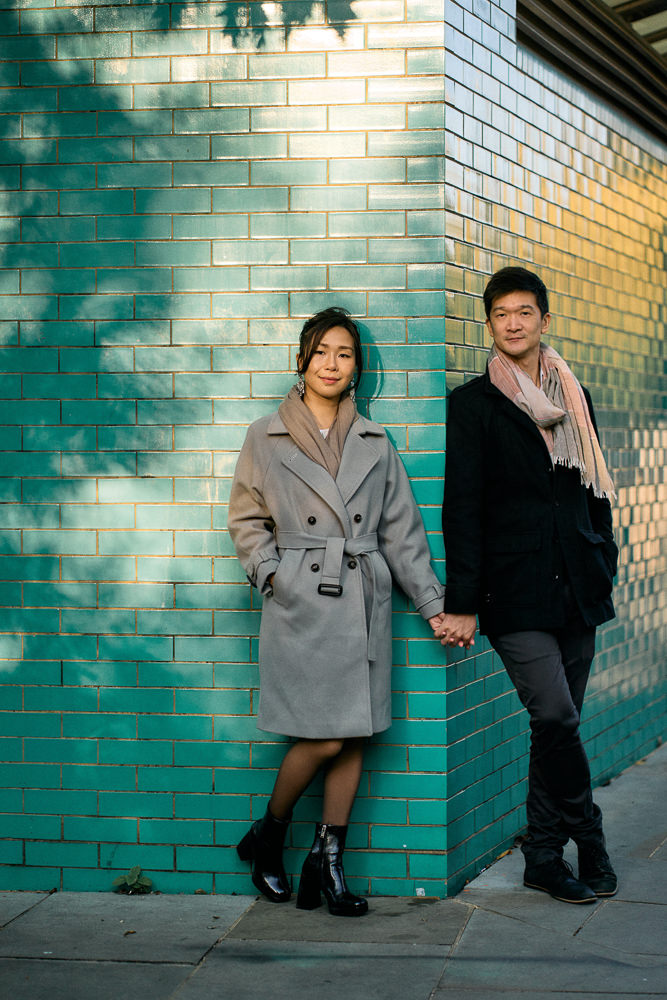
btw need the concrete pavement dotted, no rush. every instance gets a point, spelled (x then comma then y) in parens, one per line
(495, 939)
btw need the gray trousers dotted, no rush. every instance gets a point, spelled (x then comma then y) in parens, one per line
(549, 671)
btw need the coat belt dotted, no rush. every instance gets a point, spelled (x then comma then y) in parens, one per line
(334, 550)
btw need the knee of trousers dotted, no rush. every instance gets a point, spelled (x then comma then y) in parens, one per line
(555, 720)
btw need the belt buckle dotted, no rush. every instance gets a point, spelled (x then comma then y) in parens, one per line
(330, 589)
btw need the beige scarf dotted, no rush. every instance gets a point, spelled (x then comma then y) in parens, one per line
(303, 430)
(560, 412)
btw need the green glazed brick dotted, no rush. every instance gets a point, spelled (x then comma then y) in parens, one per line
(57, 802)
(211, 120)
(177, 674)
(115, 202)
(130, 71)
(136, 595)
(61, 751)
(173, 570)
(99, 777)
(162, 43)
(135, 542)
(250, 147)
(90, 149)
(67, 855)
(185, 622)
(31, 307)
(429, 813)
(152, 859)
(140, 647)
(29, 775)
(430, 866)
(175, 779)
(134, 227)
(249, 93)
(145, 175)
(213, 174)
(211, 754)
(171, 95)
(221, 66)
(112, 829)
(11, 853)
(128, 804)
(139, 18)
(134, 123)
(97, 568)
(99, 673)
(158, 831)
(288, 119)
(91, 98)
(219, 806)
(136, 752)
(170, 147)
(292, 224)
(286, 65)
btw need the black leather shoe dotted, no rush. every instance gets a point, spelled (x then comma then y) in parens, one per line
(596, 871)
(557, 878)
(323, 873)
(263, 846)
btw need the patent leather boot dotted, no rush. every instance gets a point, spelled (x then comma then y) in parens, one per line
(322, 872)
(263, 846)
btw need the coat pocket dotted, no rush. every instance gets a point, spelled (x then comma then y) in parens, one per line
(512, 569)
(598, 569)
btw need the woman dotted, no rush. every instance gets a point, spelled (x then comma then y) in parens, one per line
(321, 515)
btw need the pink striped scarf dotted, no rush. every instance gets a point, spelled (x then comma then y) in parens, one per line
(560, 412)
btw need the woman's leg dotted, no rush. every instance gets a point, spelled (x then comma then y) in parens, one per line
(341, 783)
(300, 765)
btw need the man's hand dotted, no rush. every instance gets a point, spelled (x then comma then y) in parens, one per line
(456, 630)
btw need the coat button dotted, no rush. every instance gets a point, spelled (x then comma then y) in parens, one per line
(315, 567)
(352, 564)
(357, 518)
(312, 520)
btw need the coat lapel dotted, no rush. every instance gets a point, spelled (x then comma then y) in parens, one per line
(318, 479)
(514, 413)
(359, 457)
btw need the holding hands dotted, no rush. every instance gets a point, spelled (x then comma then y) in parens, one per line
(454, 630)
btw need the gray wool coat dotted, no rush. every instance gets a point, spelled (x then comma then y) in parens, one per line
(325, 647)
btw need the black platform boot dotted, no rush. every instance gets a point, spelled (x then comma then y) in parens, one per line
(263, 845)
(322, 872)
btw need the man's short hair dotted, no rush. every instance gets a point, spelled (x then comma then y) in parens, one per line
(515, 279)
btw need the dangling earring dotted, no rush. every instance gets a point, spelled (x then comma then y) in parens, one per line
(301, 385)
(352, 392)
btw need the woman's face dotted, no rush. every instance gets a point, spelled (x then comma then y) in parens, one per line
(331, 367)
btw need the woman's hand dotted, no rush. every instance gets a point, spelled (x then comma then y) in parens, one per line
(455, 630)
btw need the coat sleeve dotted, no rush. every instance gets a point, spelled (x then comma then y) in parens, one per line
(463, 505)
(402, 541)
(600, 508)
(249, 520)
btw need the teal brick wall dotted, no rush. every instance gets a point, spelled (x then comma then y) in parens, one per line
(180, 186)
(543, 173)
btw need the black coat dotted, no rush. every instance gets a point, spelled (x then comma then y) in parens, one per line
(517, 528)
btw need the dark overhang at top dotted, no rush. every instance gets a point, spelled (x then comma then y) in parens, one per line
(596, 42)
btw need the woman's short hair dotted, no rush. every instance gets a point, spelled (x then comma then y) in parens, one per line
(314, 329)
(515, 279)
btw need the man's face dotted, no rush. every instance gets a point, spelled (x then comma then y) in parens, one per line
(516, 325)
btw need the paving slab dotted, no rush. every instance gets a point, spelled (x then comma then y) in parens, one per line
(390, 920)
(31, 979)
(497, 952)
(498, 993)
(500, 889)
(101, 926)
(629, 927)
(13, 904)
(258, 970)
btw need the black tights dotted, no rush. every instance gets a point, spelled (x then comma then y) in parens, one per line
(342, 760)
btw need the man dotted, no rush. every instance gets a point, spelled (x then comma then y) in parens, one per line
(530, 550)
